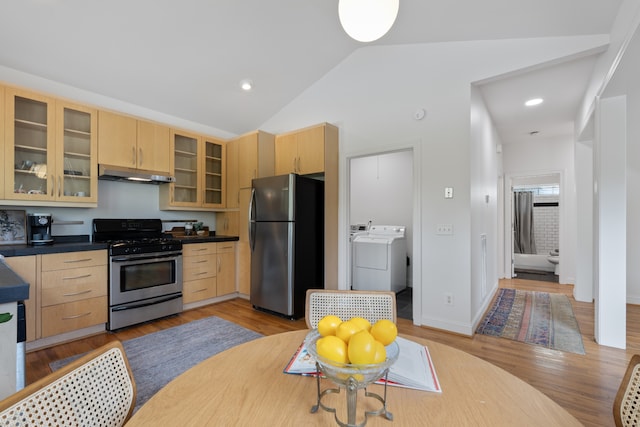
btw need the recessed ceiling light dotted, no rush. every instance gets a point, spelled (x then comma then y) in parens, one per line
(246, 84)
(534, 101)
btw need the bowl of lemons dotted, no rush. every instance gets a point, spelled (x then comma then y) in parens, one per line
(353, 352)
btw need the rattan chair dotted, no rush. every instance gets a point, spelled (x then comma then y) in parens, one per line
(371, 305)
(626, 406)
(97, 389)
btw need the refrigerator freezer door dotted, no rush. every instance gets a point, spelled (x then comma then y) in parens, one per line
(272, 267)
(273, 199)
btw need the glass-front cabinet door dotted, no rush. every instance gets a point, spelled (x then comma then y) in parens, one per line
(186, 169)
(76, 149)
(29, 142)
(214, 173)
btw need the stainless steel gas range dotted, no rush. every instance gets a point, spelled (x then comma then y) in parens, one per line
(145, 270)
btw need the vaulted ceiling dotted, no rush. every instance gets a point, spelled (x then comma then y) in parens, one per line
(186, 58)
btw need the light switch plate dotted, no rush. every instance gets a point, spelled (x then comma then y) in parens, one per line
(448, 193)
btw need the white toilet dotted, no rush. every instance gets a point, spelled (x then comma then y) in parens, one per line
(554, 258)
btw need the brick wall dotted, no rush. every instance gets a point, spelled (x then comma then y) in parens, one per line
(546, 223)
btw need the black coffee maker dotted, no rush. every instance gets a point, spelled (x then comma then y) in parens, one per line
(39, 229)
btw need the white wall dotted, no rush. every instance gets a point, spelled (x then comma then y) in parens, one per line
(371, 97)
(486, 167)
(625, 82)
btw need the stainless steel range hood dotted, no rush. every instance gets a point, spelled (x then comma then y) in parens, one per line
(118, 173)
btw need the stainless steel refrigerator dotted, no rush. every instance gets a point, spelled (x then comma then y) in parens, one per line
(286, 236)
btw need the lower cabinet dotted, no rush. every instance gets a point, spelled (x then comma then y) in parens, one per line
(198, 272)
(67, 291)
(208, 270)
(25, 267)
(73, 291)
(226, 262)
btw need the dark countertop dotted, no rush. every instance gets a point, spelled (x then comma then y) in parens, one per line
(60, 244)
(12, 287)
(205, 239)
(63, 244)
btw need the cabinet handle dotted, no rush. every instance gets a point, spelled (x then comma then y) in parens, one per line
(219, 262)
(140, 158)
(201, 273)
(77, 277)
(199, 290)
(299, 164)
(73, 294)
(77, 260)
(76, 316)
(59, 186)
(200, 262)
(133, 156)
(53, 185)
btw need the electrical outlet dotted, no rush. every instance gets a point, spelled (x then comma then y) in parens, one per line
(444, 229)
(448, 299)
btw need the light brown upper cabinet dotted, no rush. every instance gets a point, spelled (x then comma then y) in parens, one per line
(255, 157)
(215, 177)
(153, 146)
(233, 195)
(137, 144)
(301, 151)
(50, 149)
(199, 166)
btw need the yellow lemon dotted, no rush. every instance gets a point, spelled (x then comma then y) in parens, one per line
(381, 353)
(361, 322)
(328, 325)
(384, 331)
(346, 329)
(332, 348)
(361, 349)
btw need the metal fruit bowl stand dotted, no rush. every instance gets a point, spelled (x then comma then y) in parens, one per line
(352, 378)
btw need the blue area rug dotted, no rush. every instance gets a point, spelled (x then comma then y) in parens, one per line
(538, 318)
(158, 358)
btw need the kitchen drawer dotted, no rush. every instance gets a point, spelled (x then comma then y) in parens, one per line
(193, 249)
(198, 290)
(199, 267)
(62, 286)
(61, 318)
(224, 247)
(51, 262)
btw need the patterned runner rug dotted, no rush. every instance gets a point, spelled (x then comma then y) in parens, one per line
(536, 318)
(159, 357)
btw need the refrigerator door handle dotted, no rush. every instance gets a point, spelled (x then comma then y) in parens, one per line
(251, 224)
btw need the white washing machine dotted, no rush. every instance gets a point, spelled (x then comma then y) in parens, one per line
(380, 259)
(355, 230)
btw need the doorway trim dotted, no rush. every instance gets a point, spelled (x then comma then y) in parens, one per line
(508, 219)
(344, 262)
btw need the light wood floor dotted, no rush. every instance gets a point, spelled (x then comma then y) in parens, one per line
(584, 385)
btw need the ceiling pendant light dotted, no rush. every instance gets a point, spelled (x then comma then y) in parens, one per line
(367, 20)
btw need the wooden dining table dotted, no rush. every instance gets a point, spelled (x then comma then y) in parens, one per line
(246, 386)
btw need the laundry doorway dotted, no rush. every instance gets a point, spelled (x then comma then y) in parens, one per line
(381, 192)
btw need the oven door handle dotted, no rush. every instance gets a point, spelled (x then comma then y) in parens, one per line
(146, 304)
(128, 258)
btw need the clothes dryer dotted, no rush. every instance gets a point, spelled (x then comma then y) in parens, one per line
(380, 259)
